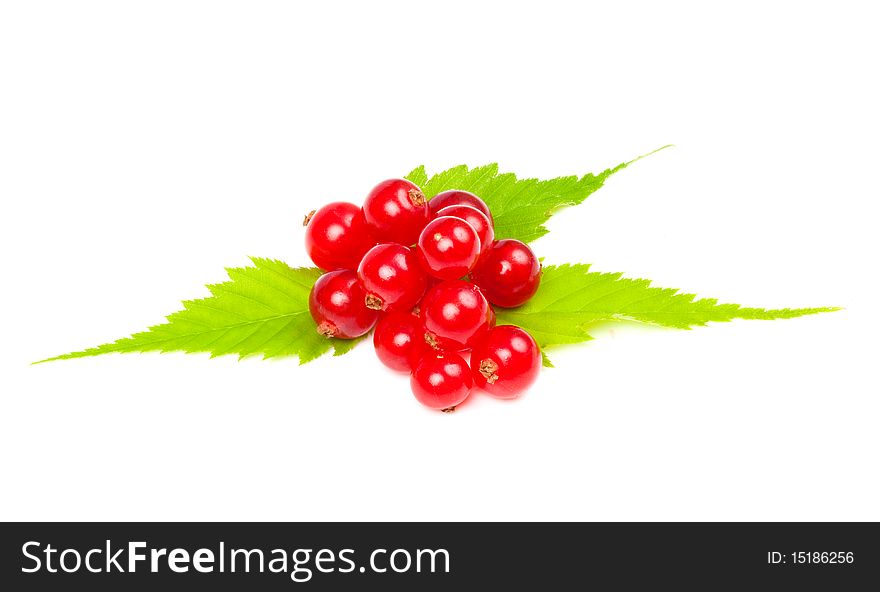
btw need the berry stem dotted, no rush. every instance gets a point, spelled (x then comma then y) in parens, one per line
(373, 302)
(489, 370)
(327, 329)
(432, 340)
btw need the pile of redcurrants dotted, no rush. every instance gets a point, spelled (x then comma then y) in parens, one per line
(426, 274)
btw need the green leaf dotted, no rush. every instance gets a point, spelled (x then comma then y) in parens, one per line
(571, 298)
(261, 310)
(520, 207)
(419, 177)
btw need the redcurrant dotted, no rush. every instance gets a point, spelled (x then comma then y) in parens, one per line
(508, 273)
(392, 278)
(448, 247)
(475, 218)
(506, 361)
(456, 197)
(337, 305)
(399, 340)
(337, 236)
(441, 380)
(396, 211)
(455, 314)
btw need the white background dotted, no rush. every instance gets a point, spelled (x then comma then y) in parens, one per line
(146, 146)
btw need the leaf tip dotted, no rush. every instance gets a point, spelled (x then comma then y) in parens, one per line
(646, 155)
(53, 359)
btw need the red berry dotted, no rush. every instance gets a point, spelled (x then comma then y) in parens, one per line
(441, 380)
(506, 361)
(396, 211)
(392, 278)
(456, 197)
(508, 273)
(475, 218)
(337, 305)
(455, 314)
(337, 236)
(399, 340)
(448, 247)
